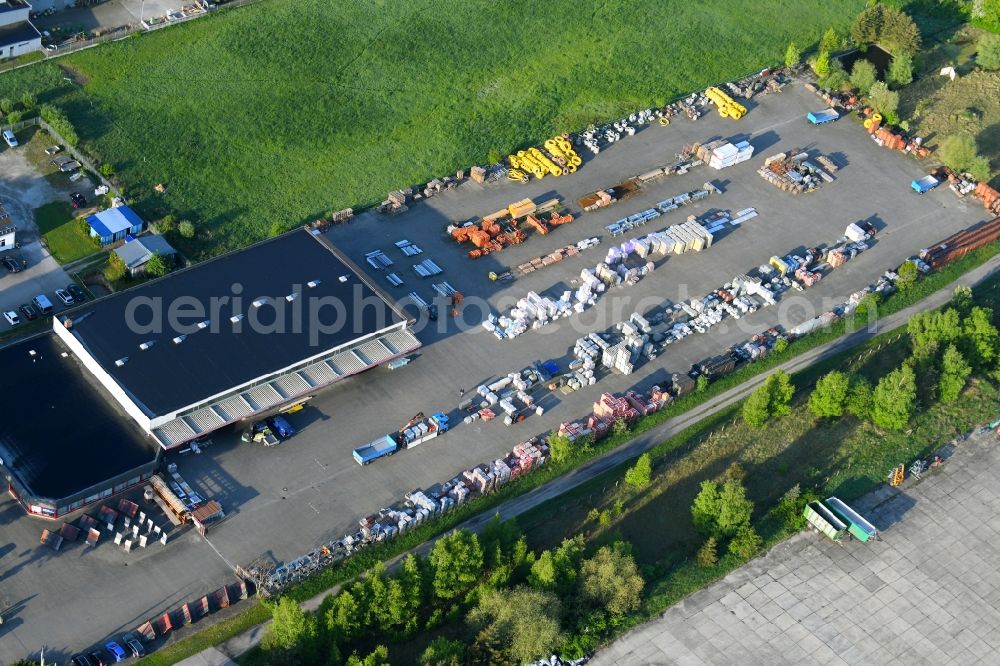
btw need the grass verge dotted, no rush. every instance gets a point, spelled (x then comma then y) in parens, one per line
(63, 234)
(214, 635)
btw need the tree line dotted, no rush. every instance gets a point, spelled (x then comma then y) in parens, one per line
(505, 603)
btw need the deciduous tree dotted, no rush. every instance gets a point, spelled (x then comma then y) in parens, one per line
(895, 399)
(900, 70)
(708, 555)
(611, 580)
(705, 508)
(980, 339)
(863, 75)
(378, 657)
(859, 398)
(829, 398)
(884, 101)
(443, 652)
(638, 476)
(457, 560)
(523, 624)
(955, 370)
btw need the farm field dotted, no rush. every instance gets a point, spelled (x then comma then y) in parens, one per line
(262, 118)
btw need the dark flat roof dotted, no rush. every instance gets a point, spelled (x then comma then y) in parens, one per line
(60, 432)
(169, 376)
(16, 33)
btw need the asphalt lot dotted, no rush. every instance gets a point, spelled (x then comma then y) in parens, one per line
(285, 500)
(927, 593)
(309, 489)
(22, 189)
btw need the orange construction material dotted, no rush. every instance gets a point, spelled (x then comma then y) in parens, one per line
(537, 224)
(556, 219)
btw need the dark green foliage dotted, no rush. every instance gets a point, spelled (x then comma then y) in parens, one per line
(746, 543)
(442, 652)
(955, 370)
(58, 121)
(887, 26)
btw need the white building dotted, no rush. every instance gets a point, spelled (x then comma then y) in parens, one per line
(17, 35)
(7, 238)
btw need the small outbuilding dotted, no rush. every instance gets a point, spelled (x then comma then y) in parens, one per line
(136, 253)
(114, 224)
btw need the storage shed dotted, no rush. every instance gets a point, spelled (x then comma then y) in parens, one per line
(114, 224)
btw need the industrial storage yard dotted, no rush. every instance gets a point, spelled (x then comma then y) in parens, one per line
(283, 501)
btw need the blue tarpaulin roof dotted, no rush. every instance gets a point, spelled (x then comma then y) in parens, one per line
(113, 220)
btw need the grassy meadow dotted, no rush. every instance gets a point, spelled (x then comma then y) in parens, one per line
(264, 117)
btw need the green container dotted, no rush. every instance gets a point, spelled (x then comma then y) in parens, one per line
(824, 520)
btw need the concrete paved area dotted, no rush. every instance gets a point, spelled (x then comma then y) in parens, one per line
(927, 593)
(285, 500)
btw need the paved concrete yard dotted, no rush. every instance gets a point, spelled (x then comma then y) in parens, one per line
(284, 501)
(927, 593)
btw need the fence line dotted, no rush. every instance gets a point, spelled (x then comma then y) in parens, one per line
(116, 34)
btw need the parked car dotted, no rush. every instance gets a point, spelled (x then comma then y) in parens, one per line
(29, 312)
(79, 296)
(43, 303)
(64, 296)
(52, 150)
(12, 264)
(280, 426)
(135, 647)
(116, 651)
(97, 659)
(78, 200)
(11, 317)
(9, 137)
(81, 660)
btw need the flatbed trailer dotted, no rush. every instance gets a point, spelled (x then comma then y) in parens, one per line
(822, 117)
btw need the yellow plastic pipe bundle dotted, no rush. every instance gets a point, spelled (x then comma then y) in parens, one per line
(728, 107)
(546, 163)
(560, 147)
(526, 162)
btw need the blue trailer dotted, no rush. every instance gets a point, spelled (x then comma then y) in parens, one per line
(925, 184)
(822, 117)
(379, 448)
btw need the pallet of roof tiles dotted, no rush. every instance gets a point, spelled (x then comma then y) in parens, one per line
(127, 508)
(220, 598)
(107, 515)
(146, 631)
(51, 539)
(162, 625)
(69, 532)
(199, 608)
(182, 616)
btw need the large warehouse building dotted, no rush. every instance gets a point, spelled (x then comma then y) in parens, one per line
(90, 407)
(241, 335)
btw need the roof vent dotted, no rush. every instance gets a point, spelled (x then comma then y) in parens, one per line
(122, 361)
(146, 345)
(235, 318)
(259, 302)
(179, 339)
(313, 284)
(204, 324)
(344, 278)
(291, 297)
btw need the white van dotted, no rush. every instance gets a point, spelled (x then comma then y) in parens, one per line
(43, 304)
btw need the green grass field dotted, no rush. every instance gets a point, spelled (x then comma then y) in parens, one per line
(280, 111)
(62, 233)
